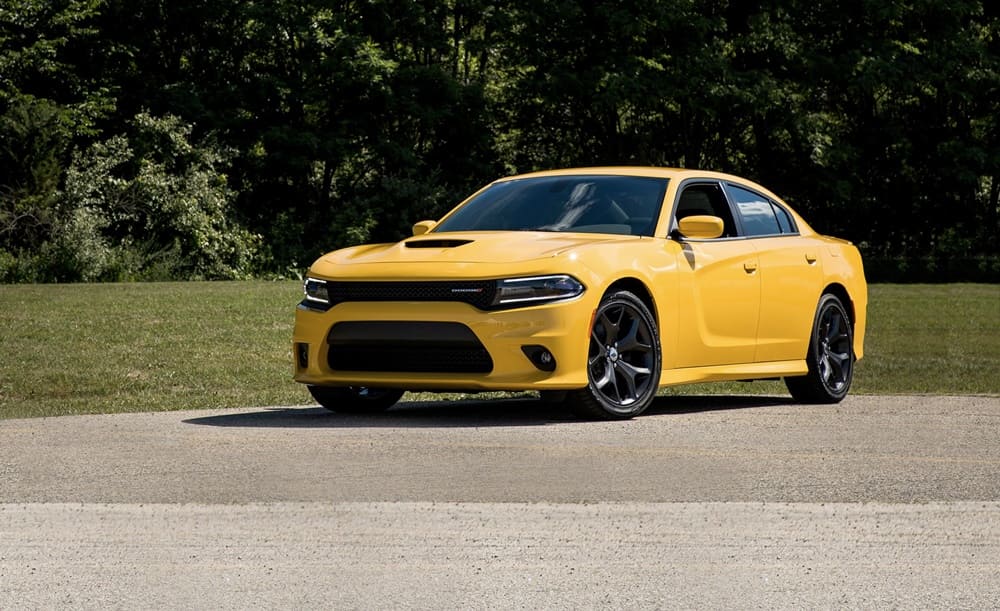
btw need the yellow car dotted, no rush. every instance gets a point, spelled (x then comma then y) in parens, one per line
(596, 286)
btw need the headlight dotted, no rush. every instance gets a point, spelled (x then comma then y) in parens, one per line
(536, 289)
(315, 291)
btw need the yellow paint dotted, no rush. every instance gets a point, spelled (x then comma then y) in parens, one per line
(726, 309)
(701, 227)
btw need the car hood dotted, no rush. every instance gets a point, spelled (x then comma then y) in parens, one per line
(479, 247)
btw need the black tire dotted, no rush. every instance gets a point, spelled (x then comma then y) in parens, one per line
(355, 399)
(830, 358)
(623, 361)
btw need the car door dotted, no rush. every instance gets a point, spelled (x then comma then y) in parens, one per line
(790, 275)
(718, 284)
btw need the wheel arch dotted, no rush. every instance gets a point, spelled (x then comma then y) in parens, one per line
(840, 292)
(638, 288)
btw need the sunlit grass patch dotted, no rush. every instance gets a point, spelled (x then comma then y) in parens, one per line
(71, 349)
(95, 348)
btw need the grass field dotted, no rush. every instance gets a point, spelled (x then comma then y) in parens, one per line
(96, 348)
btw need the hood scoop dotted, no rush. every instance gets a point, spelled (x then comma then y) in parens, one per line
(439, 243)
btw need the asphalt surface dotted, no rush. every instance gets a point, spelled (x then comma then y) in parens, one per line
(702, 502)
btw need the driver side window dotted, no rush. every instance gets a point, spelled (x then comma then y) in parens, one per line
(705, 199)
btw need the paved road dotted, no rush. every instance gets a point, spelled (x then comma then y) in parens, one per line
(721, 502)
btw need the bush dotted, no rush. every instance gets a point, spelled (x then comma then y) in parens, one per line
(148, 206)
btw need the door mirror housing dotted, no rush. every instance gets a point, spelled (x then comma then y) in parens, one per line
(422, 227)
(701, 227)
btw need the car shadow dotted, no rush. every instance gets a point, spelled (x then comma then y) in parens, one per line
(469, 413)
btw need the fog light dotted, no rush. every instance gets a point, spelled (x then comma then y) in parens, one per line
(540, 357)
(302, 355)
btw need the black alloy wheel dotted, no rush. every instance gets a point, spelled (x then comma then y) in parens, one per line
(830, 358)
(623, 361)
(355, 399)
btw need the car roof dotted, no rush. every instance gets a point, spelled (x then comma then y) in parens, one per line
(677, 174)
(646, 171)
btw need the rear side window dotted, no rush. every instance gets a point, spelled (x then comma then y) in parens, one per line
(784, 220)
(760, 215)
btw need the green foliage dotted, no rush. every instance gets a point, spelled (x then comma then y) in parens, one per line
(314, 124)
(34, 139)
(161, 200)
(45, 46)
(150, 205)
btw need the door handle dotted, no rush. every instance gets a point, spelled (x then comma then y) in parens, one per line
(750, 267)
(811, 258)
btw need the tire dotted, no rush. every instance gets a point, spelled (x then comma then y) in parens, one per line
(830, 358)
(355, 399)
(623, 361)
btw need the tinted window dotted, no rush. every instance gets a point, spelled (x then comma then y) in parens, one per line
(706, 199)
(784, 219)
(755, 211)
(588, 204)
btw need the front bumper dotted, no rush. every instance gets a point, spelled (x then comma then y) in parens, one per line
(562, 328)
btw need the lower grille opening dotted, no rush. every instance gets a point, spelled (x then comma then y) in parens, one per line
(416, 347)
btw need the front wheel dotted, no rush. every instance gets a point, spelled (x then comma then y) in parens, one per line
(355, 399)
(830, 358)
(623, 362)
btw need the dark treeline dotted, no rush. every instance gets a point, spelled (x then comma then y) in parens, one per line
(156, 139)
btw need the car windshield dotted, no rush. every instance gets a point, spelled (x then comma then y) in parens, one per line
(626, 205)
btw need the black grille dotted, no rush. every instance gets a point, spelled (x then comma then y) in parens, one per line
(417, 347)
(478, 293)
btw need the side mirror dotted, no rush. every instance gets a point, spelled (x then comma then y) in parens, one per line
(422, 227)
(701, 227)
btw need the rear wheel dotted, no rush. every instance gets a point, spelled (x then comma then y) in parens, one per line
(830, 358)
(623, 362)
(355, 399)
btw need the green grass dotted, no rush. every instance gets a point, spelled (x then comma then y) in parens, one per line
(89, 348)
(97, 348)
(939, 339)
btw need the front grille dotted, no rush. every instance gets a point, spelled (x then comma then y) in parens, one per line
(478, 293)
(406, 347)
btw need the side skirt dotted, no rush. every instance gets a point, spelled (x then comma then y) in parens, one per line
(744, 371)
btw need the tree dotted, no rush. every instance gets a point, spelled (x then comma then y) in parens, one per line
(45, 105)
(151, 205)
(334, 122)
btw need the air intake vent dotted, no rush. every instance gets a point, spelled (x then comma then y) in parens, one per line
(435, 243)
(417, 347)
